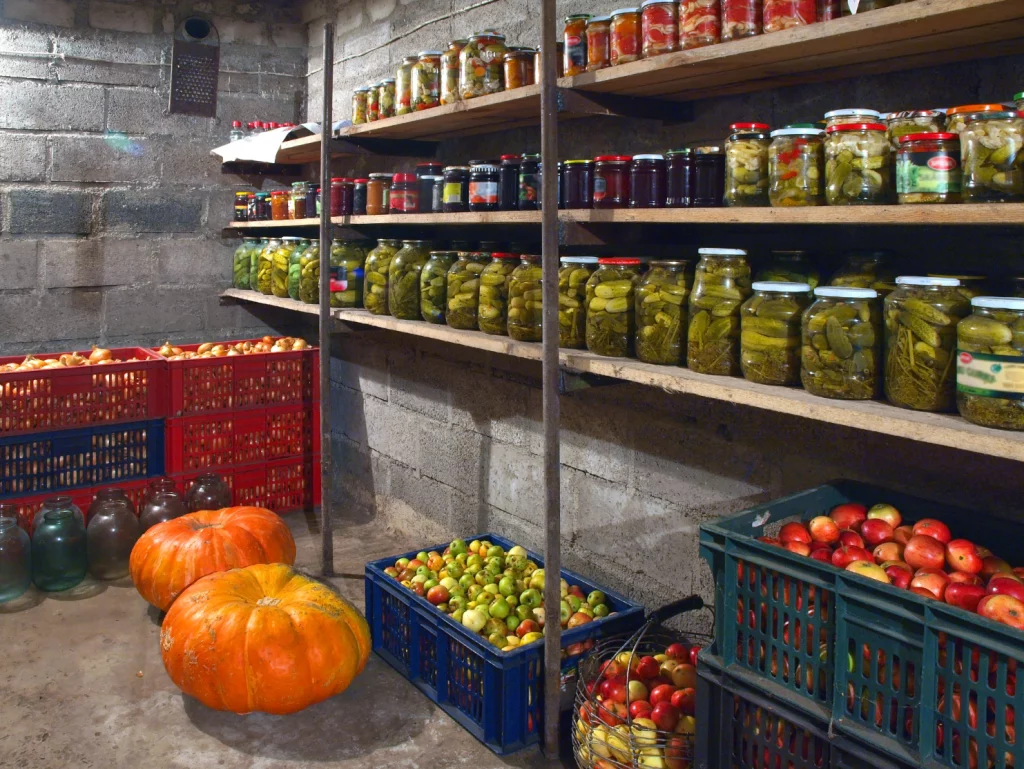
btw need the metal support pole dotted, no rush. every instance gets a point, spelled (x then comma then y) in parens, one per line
(326, 531)
(552, 501)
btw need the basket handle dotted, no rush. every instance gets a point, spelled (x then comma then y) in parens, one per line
(674, 609)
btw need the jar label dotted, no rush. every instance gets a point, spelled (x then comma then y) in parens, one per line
(529, 188)
(936, 172)
(483, 192)
(575, 51)
(453, 192)
(600, 188)
(407, 201)
(339, 278)
(992, 376)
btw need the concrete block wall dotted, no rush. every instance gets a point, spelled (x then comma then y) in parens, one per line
(112, 209)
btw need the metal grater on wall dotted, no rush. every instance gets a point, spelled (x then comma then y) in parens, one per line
(195, 58)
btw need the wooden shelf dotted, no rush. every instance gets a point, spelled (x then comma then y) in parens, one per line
(256, 297)
(467, 218)
(280, 224)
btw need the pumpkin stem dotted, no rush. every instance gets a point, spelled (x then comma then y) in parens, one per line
(268, 601)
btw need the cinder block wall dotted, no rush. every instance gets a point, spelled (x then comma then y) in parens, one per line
(111, 208)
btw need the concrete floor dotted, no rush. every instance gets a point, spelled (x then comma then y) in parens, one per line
(83, 686)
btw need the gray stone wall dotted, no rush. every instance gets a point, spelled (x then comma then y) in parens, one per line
(111, 208)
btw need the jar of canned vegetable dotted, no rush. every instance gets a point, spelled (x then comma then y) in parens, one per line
(404, 279)
(463, 289)
(993, 160)
(573, 274)
(297, 201)
(309, 274)
(241, 263)
(386, 98)
(851, 115)
(599, 30)
(922, 121)
(347, 275)
(624, 42)
(403, 86)
(611, 181)
(857, 169)
(530, 175)
(574, 38)
(866, 270)
(450, 69)
(378, 266)
(295, 262)
(578, 184)
(492, 308)
(359, 99)
(956, 117)
(481, 65)
(746, 165)
(841, 342)
(770, 332)
(434, 285)
(990, 363)
(796, 163)
(611, 309)
(372, 103)
(720, 285)
(647, 181)
(525, 294)
(518, 64)
(786, 14)
(280, 261)
(260, 265)
(789, 267)
(659, 27)
(661, 313)
(928, 168)
(426, 81)
(699, 23)
(740, 18)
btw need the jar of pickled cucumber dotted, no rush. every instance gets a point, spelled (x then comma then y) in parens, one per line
(254, 263)
(796, 165)
(525, 317)
(857, 165)
(403, 86)
(279, 262)
(990, 363)
(993, 160)
(661, 313)
(264, 266)
(295, 265)
(611, 306)
(386, 97)
(378, 266)
(426, 81)
(481, 65)
(309, 274)
(841, 344)
(404, 279)
(851, 115)
(242, 262)
(866, 270)
(956, 117)
(347, 273)
(450, 72)
(922, 121)
(770, 332)
(359, 99)
(464, 288)
(920, 342)
(746, 165)
(573, 274)
(434, 285)
(492, 309)
(790, 267)
(720, 285)
(971, 284)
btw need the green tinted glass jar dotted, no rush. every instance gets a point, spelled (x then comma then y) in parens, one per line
(790, 267)
(990, 363)
(721, 284)
(242, 263)
(661, 313)
(921, 317)
(434, 285)
(295, 266)
(770, 332)
(347, 274)
(404, 279)
(611, 310)
(573, 274)
(841, 339)
(266, 265)
(309, 274)
(464, 288)
(867, 270)
(280, 262)
(492, 309)
(375, 285)
(524, 300)
(254, 263)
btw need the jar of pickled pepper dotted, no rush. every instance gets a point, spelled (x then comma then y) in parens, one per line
(463, 289)
(359, 99)
(610, 318)
(574, 38)
(699, 23)
(841, 344)
(573, 274)
(426, 81)
(770, 332)
(403, 86)
(786, 14)
(599, 30)
(746, 165)
(992, 150)
(611, 181)
(740, 18)
(450, 72)
(624, 41)
(661, 313)
(525, 295)
(659, 27)
(492, 308)
(796, 167)
(721, 284)
(990, 363)
(386, 98)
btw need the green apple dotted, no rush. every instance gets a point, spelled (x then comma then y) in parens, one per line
(457, 547)
(506, 586)
(512, 622)
(475, 560)
(457, 602)
(496, 551)
(564, 612)
(517, 550)
(466, 581)
(494, 625)
(601, 610)
(530, 598)
(429, 584)
(422, 556)
(523, 612)
(443, 607)
(513, 600)
(423, 570)
(401, 563)
(497, 639)
(574, 603)
(458, 614)
(563, 586)
(499, 608)
(449, 583)
(454, 570)
(474, 620)
(474, 592)
(474, 546)
(491, 588)
(595, 598)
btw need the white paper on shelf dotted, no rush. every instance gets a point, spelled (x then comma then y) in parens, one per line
(263, 148)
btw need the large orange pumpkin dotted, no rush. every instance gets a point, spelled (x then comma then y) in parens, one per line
(264, 638)
(172, 555)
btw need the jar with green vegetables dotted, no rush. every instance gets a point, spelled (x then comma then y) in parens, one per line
(359, 99)
(295, 262)
(990, 363)
(661, 313)
(857, 165)
(450, 72)
(464, 289)
(386, 97)
(375, 286)
(524, 300)
(492, 309)
(842, 344)
(720, 285)
(992, 150)
(770, 332)
(264, 266)
(921, 317)
(746, 165)
(434, 285)
(426, 81)
(790, 267)
(866, 270)
(280, 262)
(796, 166)
(481, 65)
(347, 274)
(611, 306)
(309, 274)
(242, 262)
(404, 279)
(573, 274)
(922, 121)
(403, 86)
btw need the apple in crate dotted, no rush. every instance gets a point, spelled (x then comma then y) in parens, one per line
(875, 531)
(931, 527)
(794, 532)
(1003, 608)
(823, 529)
(961, 555)
(887, 513)
(964, 596)
(925, 552)
(1003, 585)
(849, 515)
(869, 570)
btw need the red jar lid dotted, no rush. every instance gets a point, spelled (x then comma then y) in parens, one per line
(855, 127)
(749, 127)
(503, 255)
(361, 181)
(341, 180)
(628, 261)
(277, 192)
(511, 157)
(399, 178)
(613, 158)
(934, 137)
(427, 165)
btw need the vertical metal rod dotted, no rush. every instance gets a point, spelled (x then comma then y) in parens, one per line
(326, 121)
(552, 501)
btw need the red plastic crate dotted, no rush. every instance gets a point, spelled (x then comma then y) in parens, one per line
(281, 485)
(28, 506)
(59, 399)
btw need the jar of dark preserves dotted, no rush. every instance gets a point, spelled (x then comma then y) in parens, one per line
(529, 183)
(241, 206)
(577, 185)
(611, 181)
(483, 187)
(359, 196)
(708, 177)
(250, 207)
(436, 186)
(422, 170)
(680, 181)
(263, 206)
(341, 196)
(455, 195)
(647, 181)
(405, 194)
(508, 189)
(311, 208)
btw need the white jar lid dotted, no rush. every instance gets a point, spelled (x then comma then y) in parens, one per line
(852, 111)
(839, 292)
(919, 280)
(721, 252)
(780, 286)
(648, 157)
(798, 132)
(998, 303)
(578, 259)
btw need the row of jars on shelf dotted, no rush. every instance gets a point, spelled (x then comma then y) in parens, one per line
(57, 546)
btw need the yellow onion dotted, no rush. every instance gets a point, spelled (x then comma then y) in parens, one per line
(98, 354)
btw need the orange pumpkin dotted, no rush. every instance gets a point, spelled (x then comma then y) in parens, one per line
(172, 555)
(263, 638)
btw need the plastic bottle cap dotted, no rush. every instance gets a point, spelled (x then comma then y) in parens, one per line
(721, 252)
(846, 293)
(920, 280)
(781, 287)
(998, 303)
(749, 127)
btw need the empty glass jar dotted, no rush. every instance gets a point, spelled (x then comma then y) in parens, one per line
(209, 492)
(112, 532)
(59, 560)
(15, 559)
(56, 503)
(162, 505)
(104, 496)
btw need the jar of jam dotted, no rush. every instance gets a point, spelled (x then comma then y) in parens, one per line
(708, 177)
(680, 178)
(740, 18)
(785, 14)
(359, 197)
(424, 170)
(297, 201)
(625, 36)
(312, 200)
(455, 197)
(405, 194)
(611, 181)
(699, 23)
(386, 98)
(659, 27)
(851, 115)
(279, 205)
(483, 187)
(508, 185)
(599, 42)
(578, 184)
(518, 68)
(559, 184)
(450, 72)
(574, 38)
(378, 194)
(241, 206)
(263, 213)
(647, 181)
(928, 168)
(433, 187)
(359, 105)
(529, 183)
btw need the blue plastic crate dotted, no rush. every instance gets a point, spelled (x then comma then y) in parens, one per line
(497, 696)
(92, 456)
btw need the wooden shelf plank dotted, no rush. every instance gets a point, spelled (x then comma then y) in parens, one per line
(280, 224)
(466, 218)
(256, 297)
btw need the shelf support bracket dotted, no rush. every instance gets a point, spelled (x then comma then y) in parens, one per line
(616, 105)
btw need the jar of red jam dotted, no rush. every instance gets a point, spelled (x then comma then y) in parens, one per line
(611, 181)
(659, 27)
(405, 194)
(574, 37)
(680, 178)
(625, 36)
(928, 168)
(647, 181)
(578, 184)
(599, 30)
(784, 14)
(700, 23)
(740, 18)
(483, 187)
(708, 177)
(341, 196)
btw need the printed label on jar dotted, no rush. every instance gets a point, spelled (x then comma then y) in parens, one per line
(483, 192)
(600, 188)
(407, 201)
(529, 187)
(576, 50)
(993, 376)
(453, 192)
(936, 172)
(339, 278)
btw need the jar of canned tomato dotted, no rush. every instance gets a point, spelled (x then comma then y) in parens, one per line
(699, 23)
(785, 14)
(611, 181)
(574, 38)
(740, 18)
(659, 27)
(647, 181)
(625, 36)
(598, 42)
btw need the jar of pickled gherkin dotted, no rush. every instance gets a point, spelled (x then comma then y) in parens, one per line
(295, 265)
(851, 115)
(922, 121)
(309, 274)
(796, 163)
(492, 308)
(790, 267)
(386, 98)
(993, 160)
(260, 265)
(956, 117)
(404, 279)
(611, 309)
(990, 363)
(842, 344)
(378, 266)
(857, 165)
(347, 273)
(372, 103)
(866, 271)
(661, 313)
(721, 284)
(434, 285)
(770, 332)
(525, 317)
(242, 263)
(281, 264)
(921, 316)
(481, 65)
(359, 105)
(573, 274)
(971, 285)
(463, 289)
(450, 72)
(426, 81)
(746, 165)
(928, 168)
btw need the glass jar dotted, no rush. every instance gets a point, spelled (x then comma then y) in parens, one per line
(426, 81)
(578, 184)
(923, 121)
(110, 536)
(463, 290)
(990, 363)
(659, 27)
(841, 339)
(241, 263)
(971, 285)
(15, 560)
(720, 285)
(56, 503)
(508, 183)
(264, 210)
(312, 201)
(386, 98)
(359, 105)
(107, 496)
(866, 271)
(208, 492)
(993, 163)
(403, 86)
(680, 178)
(611, 311)
(426, 174)
(492, 308)
(483, 187)
(746, 165)
(828, 10)
(785, 14)
(574, 38)
(373, 104)
(435, 185)
(297, 201)
(434, 285)
(740, 18)
(264, 265)
(789, 267)
(455, 198)
(599, 52)
(59, 560)
(529, 183)
(624, 37)
(342, 196)
(525, 294)
(280, 262)
(862, 6)
(279, 205)
(378, 194)
(404, 279)
(359, 196)
(573, 274)
(162, 505)
(708, 177)
(309, 274)
(518, 67)
(857, 165)
(921, 318)
(956, 117)
(661, 313)
(347, 273)
(404, 196)
(378, 267)
(796, 163)
(481, 69)
(241, 207)
(699, 23)
(851, 115)
(928, 168)
(770, 332)
(611, 181)
(450, 72)
(647, 181)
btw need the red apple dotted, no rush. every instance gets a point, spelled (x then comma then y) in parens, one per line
(794, 532)
(888, 551)
(934, 582)
(823, 554)
(617, 692)
(640, 709)
(900, 565)
(1003, 608)
(962, 556)
(991, 565)
(848, 538)
(665, 716)
(963, 578)
(648, 667)
(869, 570)
(849, 515)
(964, 596)
(844, 556)
(823, 529)
(925, 552)
(924, 593)
(902, 534)
(676, 651)
(678, 752)
(768, 540)
(875, 531)
(661, 694)
(899, 577)
(685, 700)
(887, 513)
(800, 548)
(694, 654)
(613, 713)
(1019, 572)
(438, 594)
(530, 626)
(930, 527)
(1005, 586)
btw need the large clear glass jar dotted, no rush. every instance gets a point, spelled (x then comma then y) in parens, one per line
(785, 14)
(492, 309)
(866, 270)
(851, 115)
(746, 165)
(378, 266)
(404, 279)
(921, 318)
(155, 486)
(372, 103)
(104, 497)
(990, 363)
(790, 267)
(573, 274)
(280, 262)
(721, 284)
(857, 165)
(426, 81)
(481, 65)
(842, 344)
(993, 161)
(659, 27)
(265, 265)
(464, 288)
(163, 505)
(56, 503)
(450, 72)
(796, 165)
(110, 537)
(740, 18)
(700, 23)
(241, 264)
(434, 285)
(770, 332)
(347, 274)
(59, 560)
(309, 274)
(209, 491)
(254, 263)
(386, 98)
(359, 105)
(611, 307)
(922, 121)
(956, 117)
(295, 263)
(524, 300)
(403, 86)
(297, 201)
(661, 313)
(624, 40)
(15, 559)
